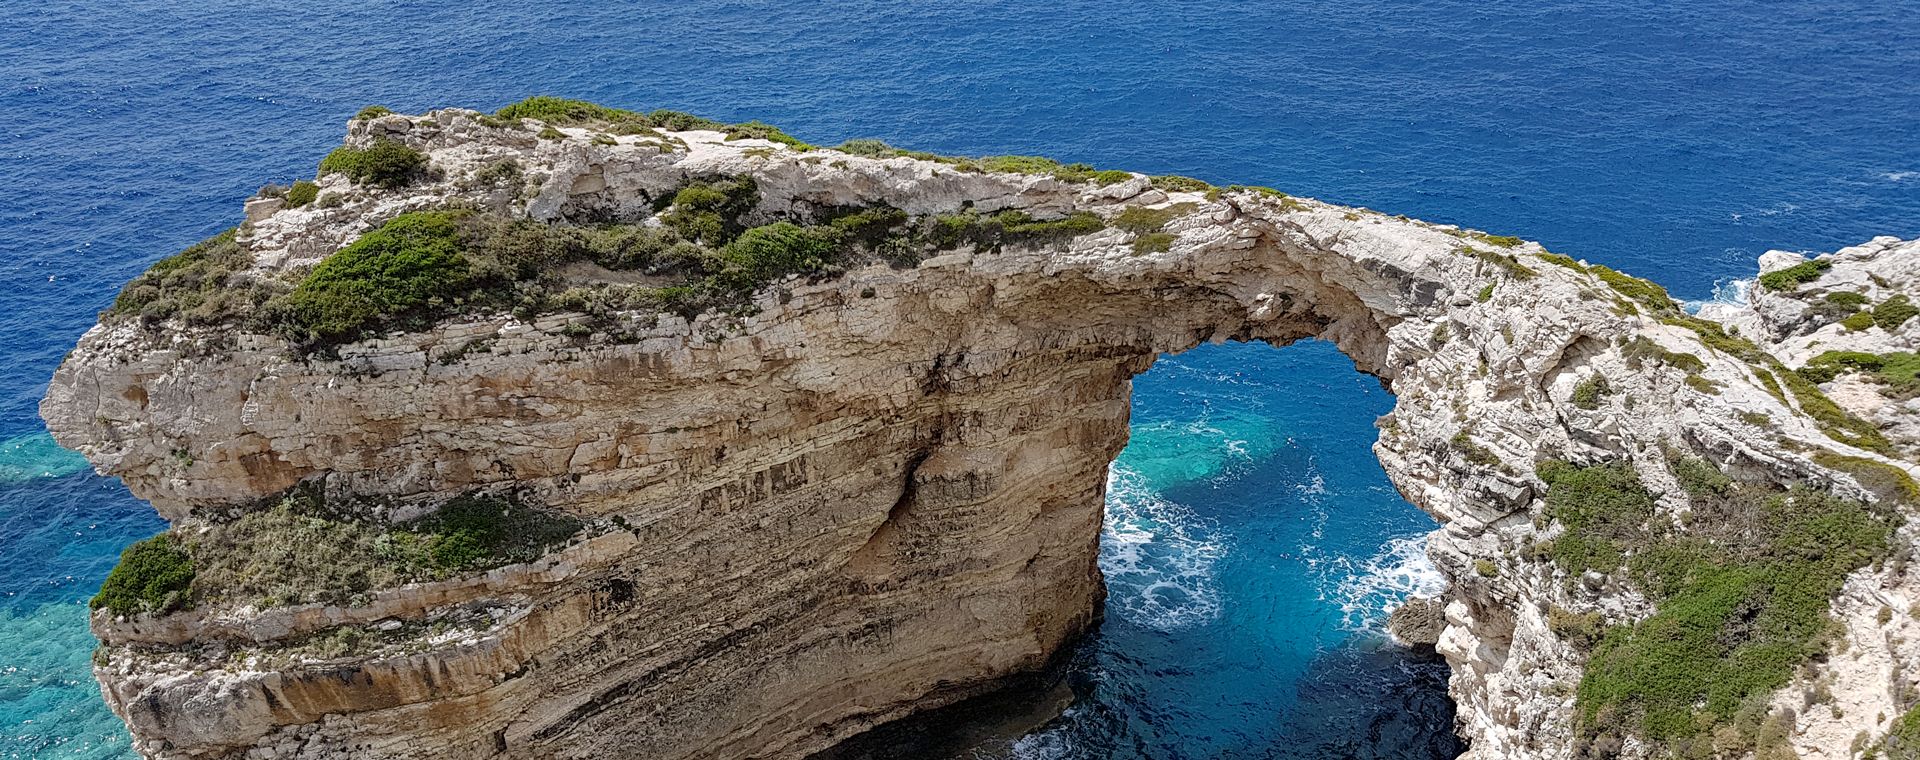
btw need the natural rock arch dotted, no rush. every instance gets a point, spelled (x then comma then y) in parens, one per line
(880, 494)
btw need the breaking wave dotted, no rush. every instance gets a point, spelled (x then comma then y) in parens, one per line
(1158, 556)
(1371, 589)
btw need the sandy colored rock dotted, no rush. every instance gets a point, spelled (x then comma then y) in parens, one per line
(880, 494)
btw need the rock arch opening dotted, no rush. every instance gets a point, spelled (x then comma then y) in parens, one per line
(1251, 550)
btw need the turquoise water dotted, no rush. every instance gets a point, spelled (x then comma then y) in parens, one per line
(1674, 142)
(1252, 550)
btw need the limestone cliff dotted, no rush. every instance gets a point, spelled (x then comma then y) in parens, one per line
(869, 485)
(1836, 311)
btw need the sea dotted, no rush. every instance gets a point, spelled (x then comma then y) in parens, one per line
(1253, 546)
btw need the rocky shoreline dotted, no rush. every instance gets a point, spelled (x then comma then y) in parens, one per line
(840, 458)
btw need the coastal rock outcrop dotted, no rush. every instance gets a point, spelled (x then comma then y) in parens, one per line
(864, 486)
(1843, 314)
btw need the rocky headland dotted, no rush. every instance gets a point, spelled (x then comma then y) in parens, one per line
(569, 431)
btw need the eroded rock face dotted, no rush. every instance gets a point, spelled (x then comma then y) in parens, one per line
(881, 493)
(1808, 318)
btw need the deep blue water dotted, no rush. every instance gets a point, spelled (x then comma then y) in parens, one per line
(1675, 142)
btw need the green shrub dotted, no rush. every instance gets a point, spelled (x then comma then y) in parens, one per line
(1140, 220)
(1737, 609)
(504, 172)
(1859, 322)
(1834, 421)
(764, 254)
(1503, 241)
(1588, 393)
(1154, 242)
(549, 133)
(1887, 482)
(153, 576)
(1893, 312)
(993, 231)
(1485, 294)
(423, 267)
(1645, 291)
(1580, 631)
(878, 149)
(870, 226)
(1796, 275)
(1470, 450)
(1604, 508)
(1259, 190)
(1698, 477)
(401, 272)
(477, 530)
(1018, 226)
(1827, 366)
(1020, 164)
(1846, 298)
(199, 285)
(303, 549)
(562, 111)
(302, 193)
(710, 212)
(1903, 739)
(866, 147)
(1076, 173)
(1641, 349)
(383, 163)
(372, 112)
(680, 121)
(1174, 183)
(1702, 384)
(760, 131)
(1562, 260)
(1717, 338)
(1505, 261)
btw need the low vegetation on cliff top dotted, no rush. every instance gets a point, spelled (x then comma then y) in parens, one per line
(571, 112)
(1741, 588)
(425, 266)
(1635, 295)
(384, 163)
(302, 550)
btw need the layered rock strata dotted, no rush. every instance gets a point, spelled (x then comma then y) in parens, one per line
(880, 492)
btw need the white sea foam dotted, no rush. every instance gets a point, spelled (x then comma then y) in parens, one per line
(1315, 485)
(1732, 290)
(1052, 743)
(1784, 208)
(1900, 176)
(1158, 556)
(1370, 590)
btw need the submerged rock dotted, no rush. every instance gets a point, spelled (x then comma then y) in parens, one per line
(851, 484)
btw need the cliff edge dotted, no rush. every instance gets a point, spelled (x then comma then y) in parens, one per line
(570, 431)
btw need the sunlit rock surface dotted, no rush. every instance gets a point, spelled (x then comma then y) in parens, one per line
(879, 494)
